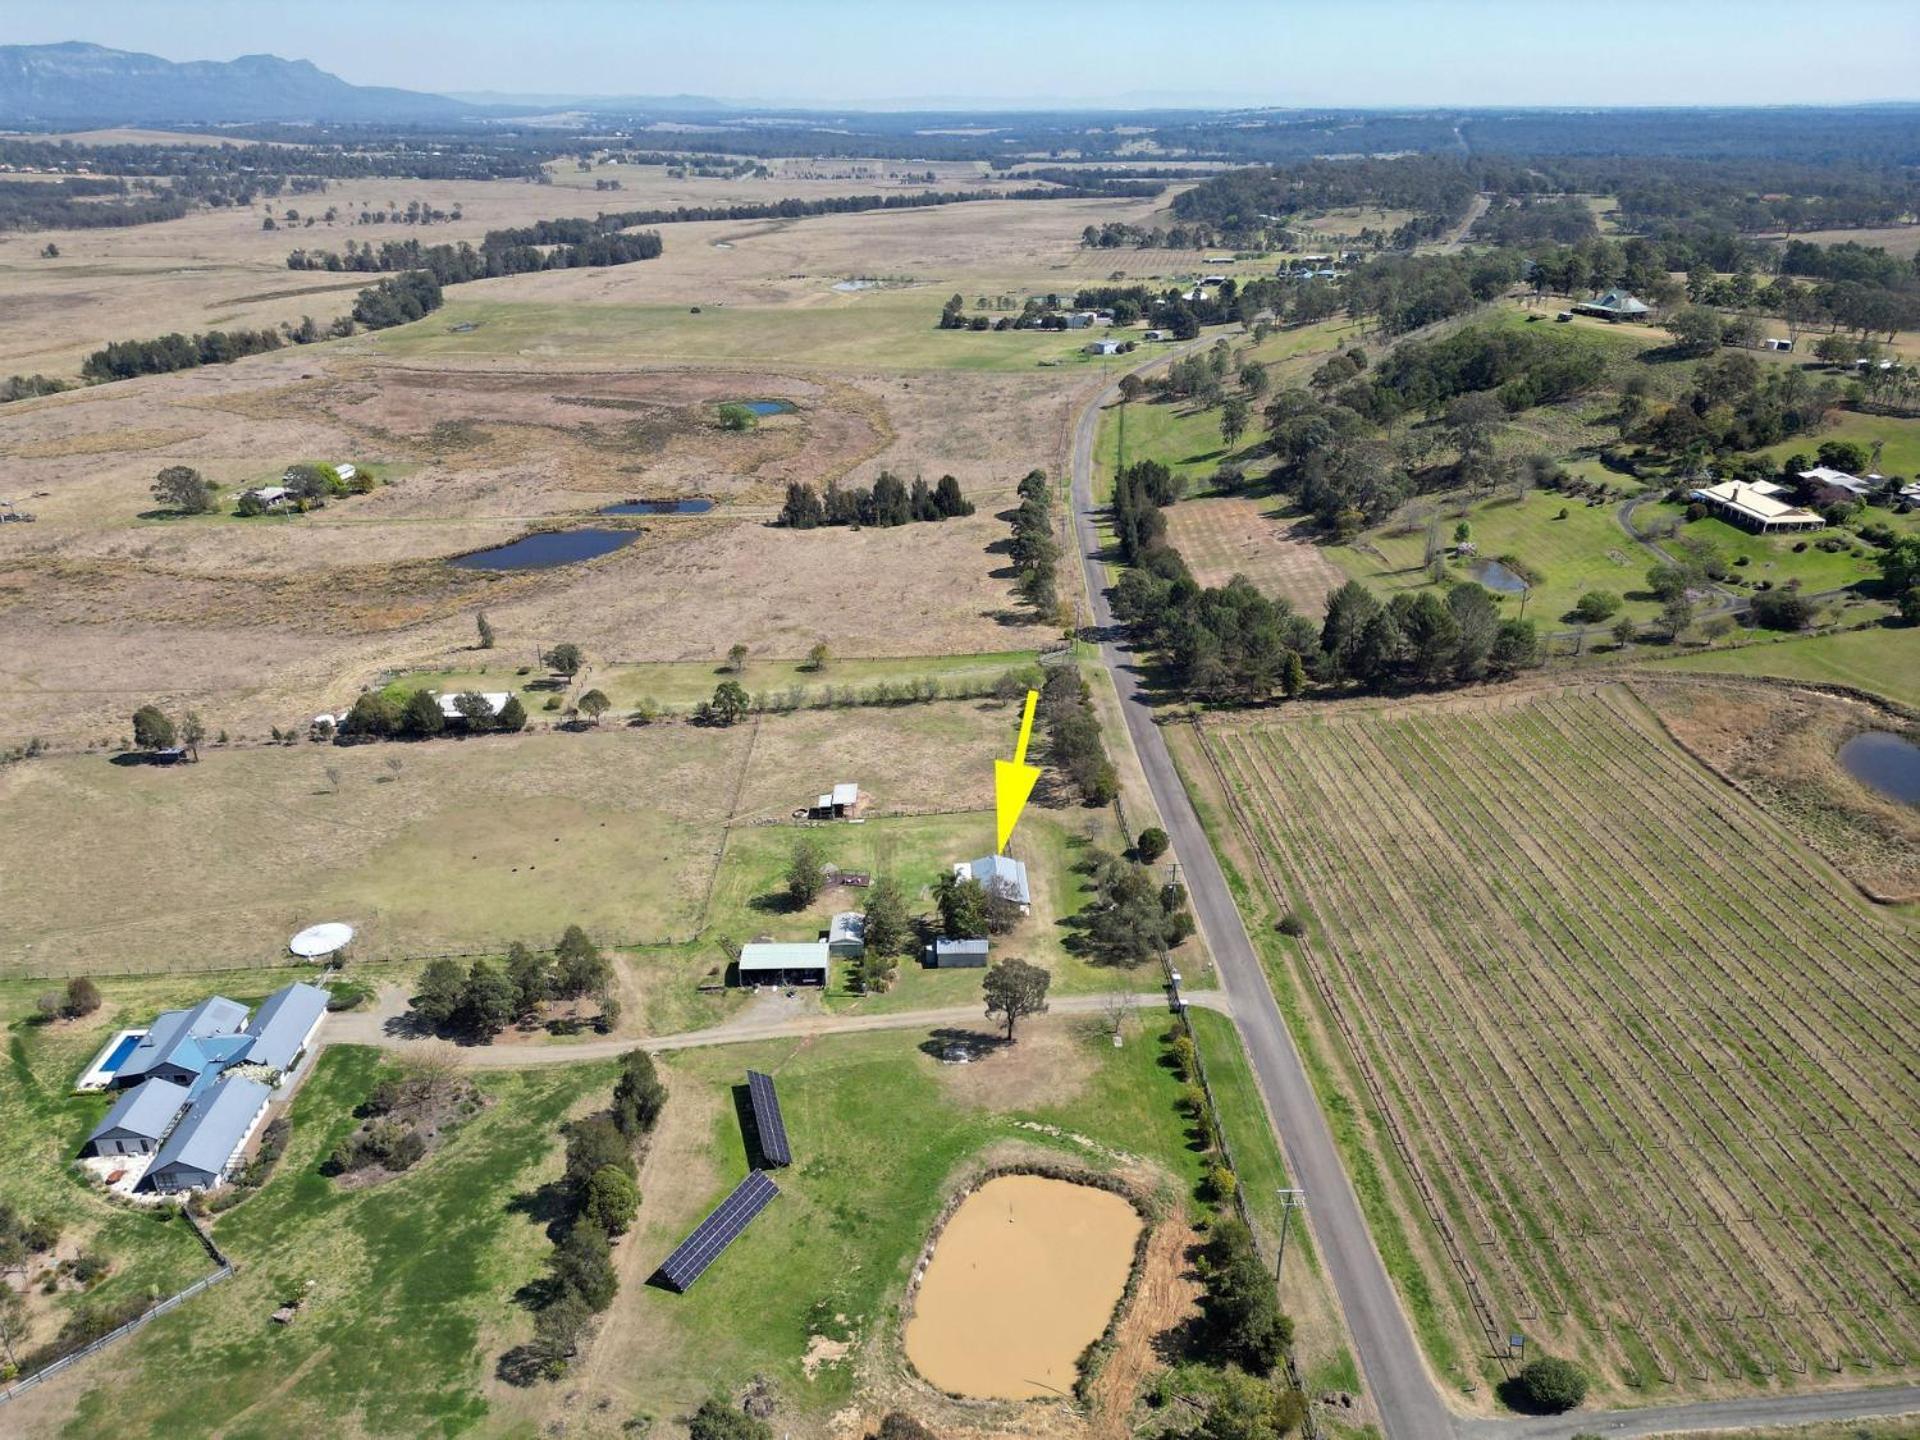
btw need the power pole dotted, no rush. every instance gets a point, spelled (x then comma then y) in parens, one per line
(1290, 1201)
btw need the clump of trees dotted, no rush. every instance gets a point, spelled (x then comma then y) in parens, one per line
(398, 300)
(889, 934)
(1550, 1385)
(482, 999)
(1132, 918)
(124, 359)
(1066, 716)
(889, 502)
(183, 489)
(1034, 552)
(79, 999)
(1238, 1304)
(384, 715)
(154, 729)
(598, 1197)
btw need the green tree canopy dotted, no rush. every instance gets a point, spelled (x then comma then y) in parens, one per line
(1014, 989)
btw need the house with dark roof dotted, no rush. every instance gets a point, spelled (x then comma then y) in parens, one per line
(203, 1149)
(139, 1119)
(284, 1026)
(184, 1044)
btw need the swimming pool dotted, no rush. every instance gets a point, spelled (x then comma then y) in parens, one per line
(128, 1044)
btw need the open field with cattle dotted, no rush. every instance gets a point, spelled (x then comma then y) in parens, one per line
(1546, 950)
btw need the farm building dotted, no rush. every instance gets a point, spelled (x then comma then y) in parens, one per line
(1824, 477)
(271, 496)
(450, 704)
(847, 935)
(951, 954)
(1614, 305)
(283, 1027)
(1000, 874)
(184, 1043)
(1754, 507)
(791, 963)
(840, 803)
(1104, 347)
(139, 1119)
(204, 1147)
(1081, 320)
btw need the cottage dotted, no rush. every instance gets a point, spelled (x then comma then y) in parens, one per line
(1105, 347)
(139, 1119)
(1614, 305)
(283, 1028)
(1000, 875)
(450, 704)
(770, 963)
(183, 1044)
(847, 935)
(1755, 506)
(205, 1146)
(948, 953)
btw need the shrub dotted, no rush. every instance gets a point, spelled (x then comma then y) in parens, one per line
(1151, 845)
(1597, 605)
(717, 1420)
(1291, 924)
(1551, 1384)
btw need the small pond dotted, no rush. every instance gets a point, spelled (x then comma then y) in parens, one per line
(1495, 576)
(1022, 1279)
(847, 286)
(688, 505)
(546, 549)
(1885, 763)
(768, 407)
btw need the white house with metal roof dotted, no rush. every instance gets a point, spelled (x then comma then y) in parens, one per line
(139, 1119)
(205, 1146)
(450, 703)
(1756, 506)
(784, 963)
(1000, 874)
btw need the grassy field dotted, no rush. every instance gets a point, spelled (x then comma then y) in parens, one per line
(1514, 1023)
(877, 329)
(1899, 439)
(1884, 661)
(677, 686)
(1772, 557)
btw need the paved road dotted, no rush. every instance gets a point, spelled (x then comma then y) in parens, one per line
(1390, 1358)
(1396, 1378)
(385, 1028)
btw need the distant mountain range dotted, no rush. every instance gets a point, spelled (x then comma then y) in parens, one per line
(74, 84)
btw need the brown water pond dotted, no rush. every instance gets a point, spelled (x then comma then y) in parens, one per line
(1023, 1278)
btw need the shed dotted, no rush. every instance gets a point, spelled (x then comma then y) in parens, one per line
(271, 496)
(345, 470)
(139, 1120)
(284, 1026)
(206, 1144)
(840, 803)
(1104, 347)
(952, 954)
(847, 935)
(784, 963)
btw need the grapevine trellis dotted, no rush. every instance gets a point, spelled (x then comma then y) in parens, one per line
(1649, 1070)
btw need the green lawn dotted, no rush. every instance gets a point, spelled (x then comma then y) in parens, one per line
(1899, 439)
(677, 686)
(879, 1131)
(879, 329)
(1587, 550)
(1773, 557)
(1885, 660)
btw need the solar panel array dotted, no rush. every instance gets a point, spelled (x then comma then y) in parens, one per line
(767, 1119)
(719, 1230)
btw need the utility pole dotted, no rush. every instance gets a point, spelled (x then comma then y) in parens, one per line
(1290, 1201)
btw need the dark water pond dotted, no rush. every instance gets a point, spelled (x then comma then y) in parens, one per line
(691, 505)
(1495, 576)
(768, 407)
(547, 549)
(1886, 763)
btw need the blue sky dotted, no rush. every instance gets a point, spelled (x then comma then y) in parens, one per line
(851, 52)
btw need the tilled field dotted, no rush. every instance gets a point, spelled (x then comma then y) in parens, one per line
(1649, 1066)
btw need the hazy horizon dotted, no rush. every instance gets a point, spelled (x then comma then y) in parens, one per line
(996, 54)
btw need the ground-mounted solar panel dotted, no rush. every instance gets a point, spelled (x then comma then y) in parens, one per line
(767, 1120)
(719, 1230)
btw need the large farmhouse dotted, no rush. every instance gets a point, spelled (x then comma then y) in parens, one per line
(1755, 505)
(1614, 305)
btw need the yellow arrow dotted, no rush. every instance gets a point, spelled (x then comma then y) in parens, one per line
(1013, 780)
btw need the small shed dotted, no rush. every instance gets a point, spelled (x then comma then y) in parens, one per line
(847, 935)
(784, 963)
(1104, 347)
(949, 953)
(840, 803)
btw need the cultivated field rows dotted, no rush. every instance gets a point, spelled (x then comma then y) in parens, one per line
(1656, 1069)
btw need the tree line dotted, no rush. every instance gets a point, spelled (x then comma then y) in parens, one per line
(1034, 553)
(480, 1000)
(887, 503)
(500, 253)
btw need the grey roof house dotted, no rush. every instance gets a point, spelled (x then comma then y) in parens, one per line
(207, 1142)
(1002, 874)
(284, 1025)
(139, 1119)
(184, 1043)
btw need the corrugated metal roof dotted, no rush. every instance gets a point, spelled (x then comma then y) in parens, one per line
(847, 792)
(784, 955)
(847, 925)
(947, 945)
(281, 1024)
(174, 1033)
(213, 1127)
(146, 1110)
(1002, 873)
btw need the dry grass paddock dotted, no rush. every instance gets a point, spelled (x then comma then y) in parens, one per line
(447, 845)
(1226, 535)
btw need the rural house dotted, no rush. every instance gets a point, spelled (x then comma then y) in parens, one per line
(1105, 347)
(948, 953)
(1614, 305)
(283, 1027)
(139, 1120)
(450, 704)
(184, 1043)
(1754, 505)
(205, 1146)
(1000, 875)
(1845, 486)
(790, 963)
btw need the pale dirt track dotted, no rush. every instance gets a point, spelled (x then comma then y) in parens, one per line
(1410, 1406)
